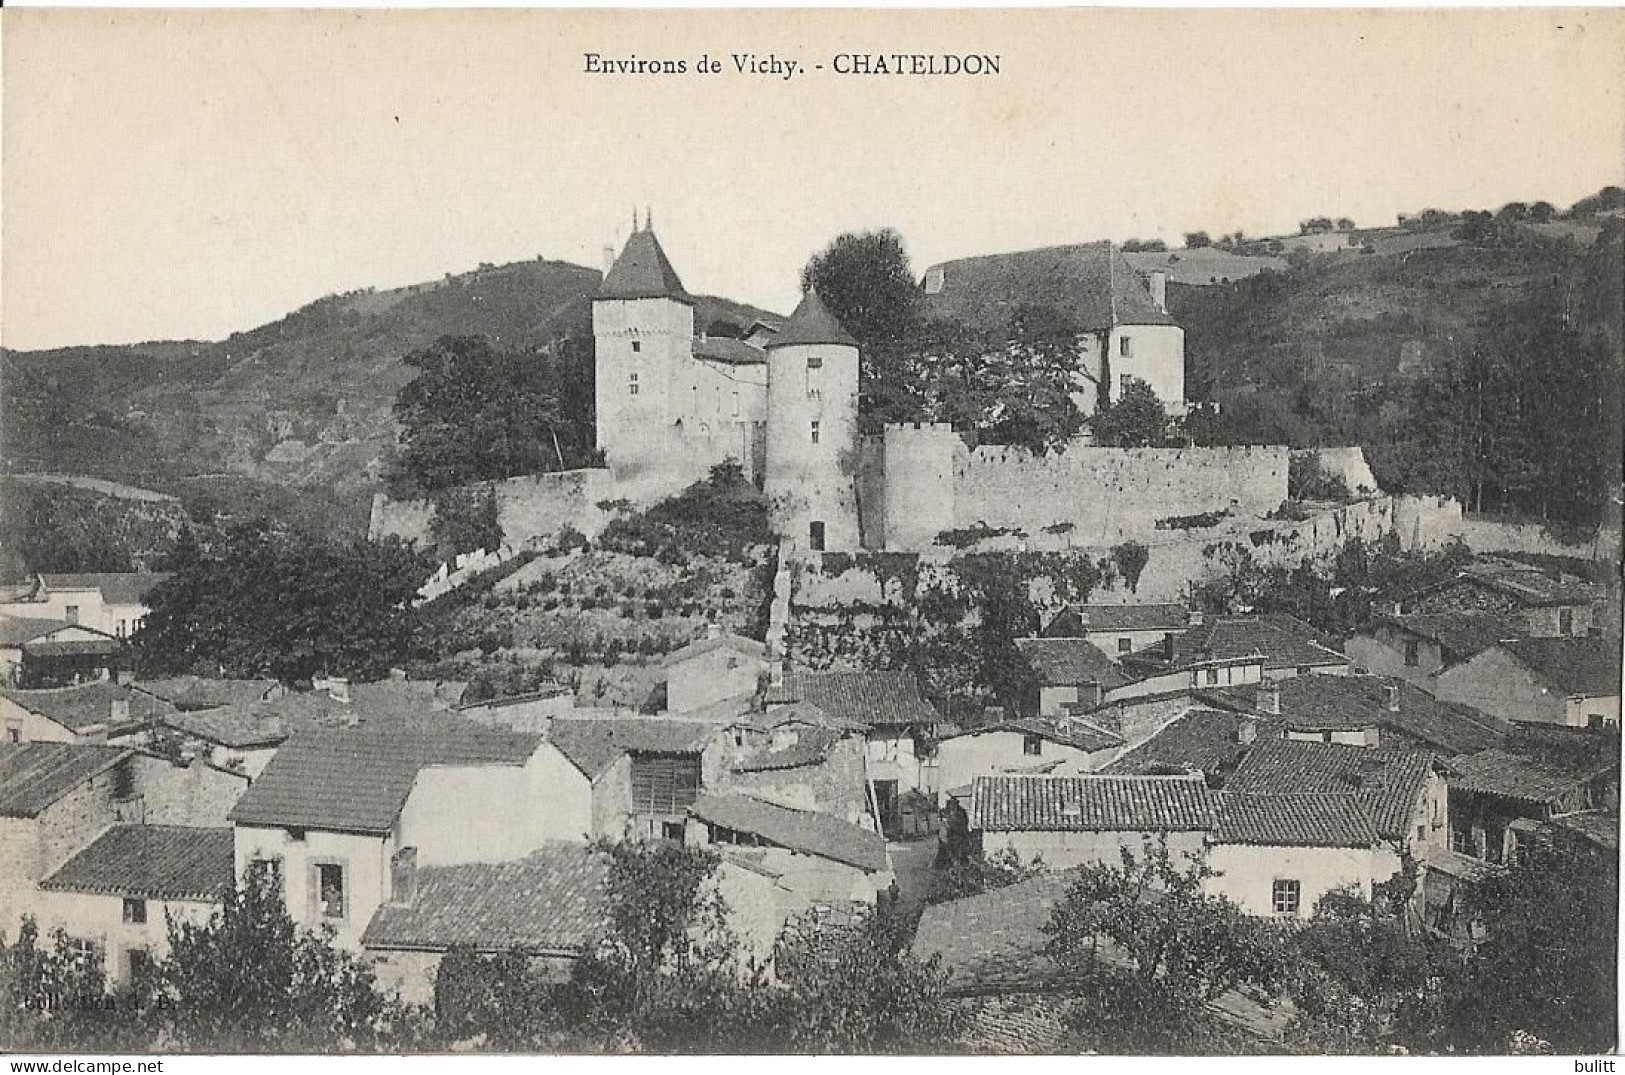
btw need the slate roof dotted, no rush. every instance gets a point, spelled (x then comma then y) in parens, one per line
(199, 692)
(86, 705)
(15, 630)
(117, 588)
(1285, 642)
(747, 646)
(1300, 820)
(153, 862)
(642, 272)
(592, 744)
(1389, 782)
(729, 351)
(1587, 666)
(1078, 620)
(1088, 284)
(869, 698)
(799, 830)
(1092, 804)
(1204, 740)
(1332, 703)
(811, 323)
(35, 775)
(357, 779)
(1072, 732)
(1461, 634)
(1068, 662)
(550, 902)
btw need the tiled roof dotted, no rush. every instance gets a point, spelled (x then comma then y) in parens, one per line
(869, 698)
(1588, 666)
(594, 743)
(1390, 782)
(802, 713)
(1070, 661)
(811, 323)
(199, 692)
(1530, 586)
(1285, 642)
(994, 943)
(812, 747)
(357, 779)
(1092, 804)
(35, 775)
(1302, 820)
(1072, 732)
(642, 272)
(153, 862)
(1079, 620)
(549, 902)
(73, 647)
(87, 705)
(1331, 703)
(1595, 826)
(1461, 634)
(1089, 284)
(739, 643)
(799, 830)
(1204, 740)
(1536, 766)
(117, 588)
(15, 630)
(729, 351)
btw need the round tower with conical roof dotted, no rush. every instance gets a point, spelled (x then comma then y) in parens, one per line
(643, 336)
(812, 429)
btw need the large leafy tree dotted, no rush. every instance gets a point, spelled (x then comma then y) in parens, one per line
(1146, 949)
(1135, 419)
(260, 602)
(54, 996)
(866, 281)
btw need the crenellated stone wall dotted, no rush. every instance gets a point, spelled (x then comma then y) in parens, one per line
(531, 507)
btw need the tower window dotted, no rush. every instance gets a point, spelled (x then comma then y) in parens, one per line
(815, 535)
(631, 384)
(637, 346)
(736, 404)
(815, 362)
(1125, 346)
(815, 432)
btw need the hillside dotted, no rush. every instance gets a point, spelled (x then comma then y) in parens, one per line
(298, 409)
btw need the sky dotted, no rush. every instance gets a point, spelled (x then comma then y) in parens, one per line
(187, 174)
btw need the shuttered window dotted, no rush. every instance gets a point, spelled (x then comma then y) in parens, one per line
(664, 783)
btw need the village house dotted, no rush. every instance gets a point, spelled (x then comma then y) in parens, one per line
(1065, 746)
(57, 798)
(54, 653)
(1569, 681)
(629, 777)
(113, 603)
(1545, 604)
(819, 856)
(118, 896)
(547, 906)
(532, 711)
(1071, 673)
(1182, 678)
(710, 669)
(337, 809)
(801, 757)
(1207, 741)
(191, 693)
(1416, 646)
(1078, 820)
(243, 736)
(99, 712)
(1289, 647)
(1279, 854)
(1122, 629)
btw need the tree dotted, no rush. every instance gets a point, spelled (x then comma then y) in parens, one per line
(56, 997)
(1345, 223)
(1147, 949)
(1195, 240)
(1316, 225)
(1136, 419)
(1540, 212)
(266, 603)
(866, 281)
(971, 873)
(250, 980)
(465, 520)
(1131, 558)
(1547, 968)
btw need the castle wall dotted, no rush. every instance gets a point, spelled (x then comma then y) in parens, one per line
(532, 507)
(922, 463)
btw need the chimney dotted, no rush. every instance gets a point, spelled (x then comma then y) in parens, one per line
(1246, 731)
(1195, 618)
(403, 877)
(339, 688)
(1159, 288)
(1269, 699)
(119, 712)
(1390, 697)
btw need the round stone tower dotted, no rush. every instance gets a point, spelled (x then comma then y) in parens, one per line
(812, 429)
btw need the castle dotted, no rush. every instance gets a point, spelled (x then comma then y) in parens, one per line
(782, 398)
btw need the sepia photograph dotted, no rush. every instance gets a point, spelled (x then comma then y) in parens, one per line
(600, 532)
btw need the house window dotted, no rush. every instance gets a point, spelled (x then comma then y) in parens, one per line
(1032, 745)
(637, 346)
(122, 629)
(631, 384)
(71, 613)
(329, 879)
(815, 362)
(1462, 843)
(135, 912)
(1285, 896)
(138, 960)
(83, 951)
(1122, 383)
(14, 733)
(1125, 645)
(1413, 654)
(267, 872)
(672, 830)
(1565, 621)
(1125, 346)
(815, 536)
(1210, 676)
(815, 432)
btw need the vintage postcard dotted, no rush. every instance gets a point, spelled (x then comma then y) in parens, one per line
(811, 532)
